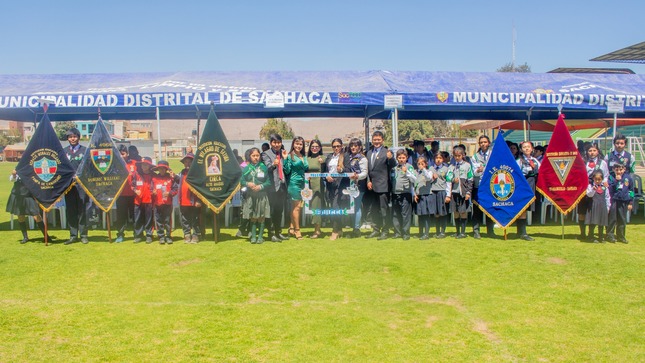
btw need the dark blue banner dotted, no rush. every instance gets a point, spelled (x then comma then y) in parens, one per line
(503, 190)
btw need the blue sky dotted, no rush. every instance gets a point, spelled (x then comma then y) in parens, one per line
(68, 36)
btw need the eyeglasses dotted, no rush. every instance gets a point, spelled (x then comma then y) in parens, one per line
(335, 146)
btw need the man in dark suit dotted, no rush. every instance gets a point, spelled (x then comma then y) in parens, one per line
(379, 166)
(277, 192)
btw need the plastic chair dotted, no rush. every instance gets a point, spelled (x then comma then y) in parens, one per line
(638, 193)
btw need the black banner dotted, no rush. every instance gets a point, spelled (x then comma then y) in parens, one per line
(44, 168)
(215, 174)
(102, 172)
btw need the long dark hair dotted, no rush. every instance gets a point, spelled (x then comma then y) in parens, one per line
(309, 153)
(295, 139)
(355, 141)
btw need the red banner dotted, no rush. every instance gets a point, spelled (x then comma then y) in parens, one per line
(562, 177)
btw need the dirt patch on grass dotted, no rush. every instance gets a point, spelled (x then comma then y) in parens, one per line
(435, 300)
(481, 327)
(187, 262)
(556, 260)
(430, 321)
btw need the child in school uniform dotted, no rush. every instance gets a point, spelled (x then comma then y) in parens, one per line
(22, 204)
(164, 188)
(441, 190)
(619, 155)
(143, 207)
(593, 163)
(460, 174)
(189, 204)
(403, 178)
(423, 206)
(598, 206)
(621, 190)
(256, 209)
(529, 166)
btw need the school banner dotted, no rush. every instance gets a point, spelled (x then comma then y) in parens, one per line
(562, 177)
(44, 167)
(215, 175)
(504, 192)
(102, 172)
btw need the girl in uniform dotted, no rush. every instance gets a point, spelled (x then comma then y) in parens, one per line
(403, 179)
(440, 195)
(593, 163)
(22, 204)
(423, 203)
(529, 166)
(460, 174)
(598, 206)
(256, 179)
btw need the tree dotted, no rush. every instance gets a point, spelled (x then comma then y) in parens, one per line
(276, 126)
(512, 68)
(61, 128)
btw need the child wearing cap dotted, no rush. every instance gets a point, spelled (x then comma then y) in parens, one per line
(621, 190)
(143, 208)
(164, 188)
(189, 205)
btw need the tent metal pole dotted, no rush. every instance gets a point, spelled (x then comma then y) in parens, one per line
(615, 120)
(366, 124)
(395, 128)
(159, 134)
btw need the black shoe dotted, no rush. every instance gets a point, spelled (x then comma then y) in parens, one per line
(440, 235)
(374, 234)
(396, 235)
(526, 237)
(276, 239)
(356, 233)
(70, 241)
(476, 235)
(596, 240)
(283, 237)
(24, 240)
(582, 238)
(610, 238)
(623, 240)
(406, 237)
(490, 234)
(382, 236)
(148, 240)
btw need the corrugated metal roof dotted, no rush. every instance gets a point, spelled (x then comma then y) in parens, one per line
(631, 54)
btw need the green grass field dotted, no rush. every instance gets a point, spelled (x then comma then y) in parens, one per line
(360, 300)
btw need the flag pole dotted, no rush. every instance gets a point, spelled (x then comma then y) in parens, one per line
(562, 222)
(107, 218)
(215, 234)
(45, 229)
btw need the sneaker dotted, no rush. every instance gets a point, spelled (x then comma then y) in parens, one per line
(169, 240)
(461, 236)
(25, 240)
(275, 239)
(476, 235)
(259, 240)
(253, 240)
(239, 233)
(118, 240)
(84, 240)
(148, 240)
(162, 240)
(526, 237)
(187, 238)
(406, 237)
(70, 241)
(137, 240)
(194, 239)
(424, 237)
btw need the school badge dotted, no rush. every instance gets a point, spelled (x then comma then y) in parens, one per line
(45, 167)
(442, 96)
(502, 185)
(562, 166)
(102, 159)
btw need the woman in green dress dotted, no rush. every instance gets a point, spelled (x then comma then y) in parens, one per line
(295, 165)
(316, 165)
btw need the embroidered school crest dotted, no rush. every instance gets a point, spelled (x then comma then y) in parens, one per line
(45, 168)
(562, 166)
(102, 159)
(502, 185)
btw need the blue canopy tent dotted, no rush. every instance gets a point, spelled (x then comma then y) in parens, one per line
(426, 95)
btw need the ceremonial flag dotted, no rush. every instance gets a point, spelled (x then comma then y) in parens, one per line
(562, 176)
(214, 176)
(44, 167)
(102, 172)
(504, 193)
